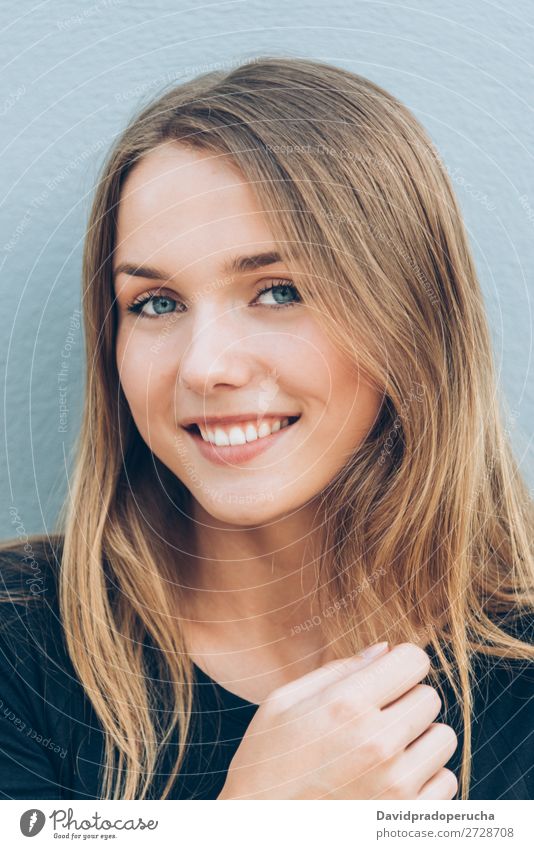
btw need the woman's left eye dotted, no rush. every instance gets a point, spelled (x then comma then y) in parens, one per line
(284, 288)
(164, 304)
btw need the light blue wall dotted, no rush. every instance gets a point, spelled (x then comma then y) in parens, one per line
(75, 72)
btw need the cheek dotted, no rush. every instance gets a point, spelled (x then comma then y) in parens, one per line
(356, 404)
(145, 377)
(351, 401)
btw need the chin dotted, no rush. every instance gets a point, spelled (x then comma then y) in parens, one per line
(242, 510)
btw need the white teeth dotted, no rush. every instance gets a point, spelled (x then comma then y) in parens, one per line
(264, 429)
(221, 438)
(251, 433)
(237, 435)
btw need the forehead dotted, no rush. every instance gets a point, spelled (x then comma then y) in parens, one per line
(193, 201)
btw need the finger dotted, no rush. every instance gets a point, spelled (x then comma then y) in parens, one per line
(408, 717)
(391, 675)
(426, 755)
(443, 785)
(316, 681)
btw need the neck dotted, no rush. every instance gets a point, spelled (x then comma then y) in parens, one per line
(261, 579)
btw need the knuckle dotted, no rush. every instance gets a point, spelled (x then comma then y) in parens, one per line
(373, 749)
(398, 785)
(345, 703)
(342, 707)
(276, 702)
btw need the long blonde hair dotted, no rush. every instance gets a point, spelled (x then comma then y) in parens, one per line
(429, 521)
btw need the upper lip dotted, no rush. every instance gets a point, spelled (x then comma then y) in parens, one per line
(238, 417)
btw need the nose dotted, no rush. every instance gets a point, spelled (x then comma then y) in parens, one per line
(215, 356)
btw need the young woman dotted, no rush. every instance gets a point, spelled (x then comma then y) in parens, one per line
(291, 450)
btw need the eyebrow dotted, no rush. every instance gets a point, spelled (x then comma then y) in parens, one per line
(235, 265)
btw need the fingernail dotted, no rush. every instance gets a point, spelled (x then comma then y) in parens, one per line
(374, 650)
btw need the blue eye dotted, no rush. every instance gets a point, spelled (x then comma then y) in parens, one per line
(165, 305)
(161, 305)
(285, 288)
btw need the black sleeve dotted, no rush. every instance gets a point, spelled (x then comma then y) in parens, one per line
(27, 751)
(503, 751)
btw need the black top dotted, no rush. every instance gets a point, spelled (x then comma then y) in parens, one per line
(51, 742)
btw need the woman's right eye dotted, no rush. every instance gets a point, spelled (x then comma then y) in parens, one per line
(160, 305)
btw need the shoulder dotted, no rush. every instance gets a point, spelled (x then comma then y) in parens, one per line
(29, 610)
(28, 566)
(519, 622)
(507, 676)
(36, 670)
(510, 670)
(503, 715)
(45, 719)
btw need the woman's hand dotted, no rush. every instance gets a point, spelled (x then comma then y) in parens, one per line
(355, 728)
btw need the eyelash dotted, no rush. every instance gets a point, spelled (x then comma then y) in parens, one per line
(136, 306)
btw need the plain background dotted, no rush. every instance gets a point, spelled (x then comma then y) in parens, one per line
(74, 73)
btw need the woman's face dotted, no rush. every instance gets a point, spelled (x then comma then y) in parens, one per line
(208, 345)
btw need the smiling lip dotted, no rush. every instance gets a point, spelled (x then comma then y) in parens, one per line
(240, 417)
(224, 455)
